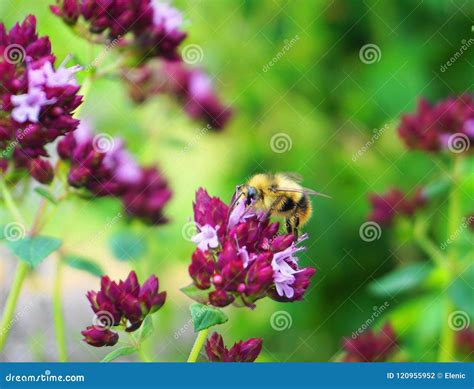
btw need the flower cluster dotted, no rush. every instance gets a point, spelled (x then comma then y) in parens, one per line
(192, 88)
(104, 167)
(146, 28)
(37, 99)
(247, 351)
(465, 340)
(125, 303)
(394, 203)
(241, 259)
(432, 126)
(371, 347)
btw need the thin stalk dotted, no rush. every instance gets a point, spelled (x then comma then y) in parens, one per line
(447, 341)
(7, 319)
(197, 346)
(59, 322)
(9, 202)
(427, 244)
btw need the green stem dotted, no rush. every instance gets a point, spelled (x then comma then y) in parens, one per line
(7, 319)
(197, 346)
(59, 323)
(447, 341)
(427, 245)
(9, 202)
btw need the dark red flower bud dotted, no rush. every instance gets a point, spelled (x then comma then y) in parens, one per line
(42, 171)
(220, 298)
(99, 336)
(247, 351)
(202, 268)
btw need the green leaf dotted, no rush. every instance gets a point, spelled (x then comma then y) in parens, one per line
(126, 350)
(461, 291)
(34, 250)
(437, 188)
(126, 246)
(46, 194)
(400, 280)
(193, 292)
(146, 328)
(81, 263)
(205, 316)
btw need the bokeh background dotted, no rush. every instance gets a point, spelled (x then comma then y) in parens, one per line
(323, 103)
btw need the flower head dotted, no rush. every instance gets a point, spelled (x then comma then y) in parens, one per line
(247, 351)
(192, 88)
(112, 171)
(38, 98)
(241, 259)
(124, 303)
(394, 203)
(465, 340)
(371, 346)
(147, 28)
(431, 126)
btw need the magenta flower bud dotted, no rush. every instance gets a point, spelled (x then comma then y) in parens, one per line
(42, 171)
(370, 346)
(3, 165)
(68, 10)
(99, 336)
(247, 351)
(220, 298)
(465, 340)
(202, 268)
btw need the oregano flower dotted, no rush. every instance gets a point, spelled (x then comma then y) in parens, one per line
(243, 351)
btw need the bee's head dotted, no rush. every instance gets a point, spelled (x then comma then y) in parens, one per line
(249, 192)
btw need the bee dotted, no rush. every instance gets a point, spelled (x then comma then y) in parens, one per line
(280, 195)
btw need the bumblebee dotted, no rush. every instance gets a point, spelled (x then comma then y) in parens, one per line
(279, 195)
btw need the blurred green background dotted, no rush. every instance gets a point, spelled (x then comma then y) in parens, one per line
(328, 104)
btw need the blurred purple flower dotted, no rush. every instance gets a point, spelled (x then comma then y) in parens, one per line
(394, 203)
(431, 126)
(371, 346)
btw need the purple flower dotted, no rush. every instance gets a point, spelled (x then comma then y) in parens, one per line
(370, 346)
(38, 100)
(431, 127)
(124, 303)
(465, 340)
(113, 172)
(146, 28)
(98, 336)
(191, 87)
(241, 259)
(247, 351)
(394, 203)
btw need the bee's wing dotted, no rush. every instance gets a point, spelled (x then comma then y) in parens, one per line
(306, 191)
(293, 176)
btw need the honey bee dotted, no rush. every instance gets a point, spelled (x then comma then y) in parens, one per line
(279, 195)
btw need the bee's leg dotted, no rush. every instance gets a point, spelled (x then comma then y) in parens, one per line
(295, 227)
(289, 227)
